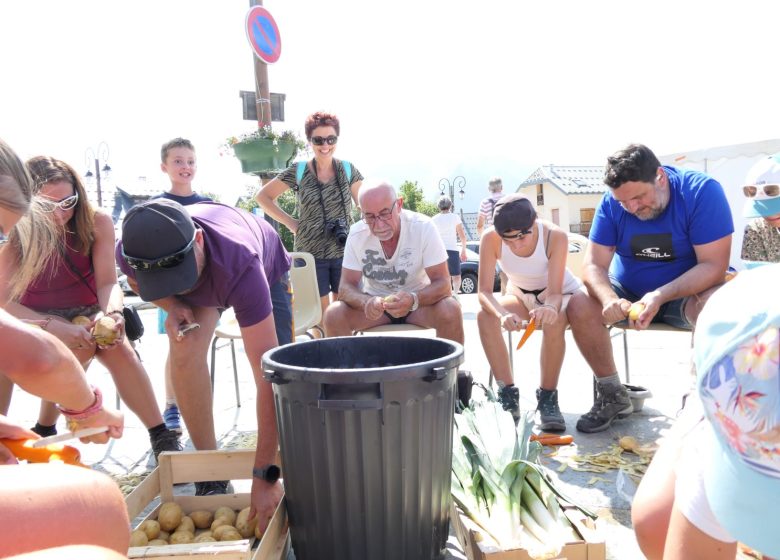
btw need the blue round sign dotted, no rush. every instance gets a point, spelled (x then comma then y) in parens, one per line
(263, 34)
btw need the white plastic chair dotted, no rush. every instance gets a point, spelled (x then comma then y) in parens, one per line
(226, 329)
(307, 310)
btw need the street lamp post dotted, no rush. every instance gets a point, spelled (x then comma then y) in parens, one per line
(458, 182)
(96, 156)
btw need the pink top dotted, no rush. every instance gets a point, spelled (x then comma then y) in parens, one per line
(61, 287)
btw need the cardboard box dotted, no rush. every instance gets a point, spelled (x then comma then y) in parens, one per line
(479, 546)
(198, 466)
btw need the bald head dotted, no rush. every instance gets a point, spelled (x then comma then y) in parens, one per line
(380, 195)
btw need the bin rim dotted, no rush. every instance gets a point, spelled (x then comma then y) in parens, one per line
(277, 372)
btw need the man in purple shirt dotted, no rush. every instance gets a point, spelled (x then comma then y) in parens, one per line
(195, 262)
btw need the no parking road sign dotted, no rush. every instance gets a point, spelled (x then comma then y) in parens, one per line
(263, 34)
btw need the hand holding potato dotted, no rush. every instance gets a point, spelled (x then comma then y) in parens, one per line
(373, 308)
(398, 304)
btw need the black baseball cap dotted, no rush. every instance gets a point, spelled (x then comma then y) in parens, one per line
(158, 238)
(513, 212)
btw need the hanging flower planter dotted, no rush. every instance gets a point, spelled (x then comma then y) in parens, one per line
(264, 155)
(264, 150)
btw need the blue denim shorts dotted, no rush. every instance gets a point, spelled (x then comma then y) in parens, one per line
(328, 275)
(281, 300)
(672, 312)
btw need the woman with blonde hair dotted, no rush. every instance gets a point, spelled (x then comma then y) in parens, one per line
(81, 282)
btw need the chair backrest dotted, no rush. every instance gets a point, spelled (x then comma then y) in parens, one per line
(577, 245)
(307, 310)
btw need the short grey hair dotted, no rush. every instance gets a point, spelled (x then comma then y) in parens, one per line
(495, 185)
(445, 203)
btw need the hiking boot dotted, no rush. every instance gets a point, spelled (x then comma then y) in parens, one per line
(612, 401)
(213, 487)
(165, 441)
(509, 397)
(550, 417)
(172, 418)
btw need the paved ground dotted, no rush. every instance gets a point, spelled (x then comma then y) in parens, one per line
(659, 360)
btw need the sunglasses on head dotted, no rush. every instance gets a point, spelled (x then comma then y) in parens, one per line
(769, 190)
(67, 203)
(320, 140)
(168, 261)
(519, 235)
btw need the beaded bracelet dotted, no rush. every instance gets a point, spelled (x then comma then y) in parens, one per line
(91, 410)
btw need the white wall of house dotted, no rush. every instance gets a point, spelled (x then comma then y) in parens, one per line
(568, 206)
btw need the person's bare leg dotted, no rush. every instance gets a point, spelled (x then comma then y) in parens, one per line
(446, 316)
(341, 320)
(695, 304)
(48, 505)
(654, 498)
(132, 382)
(685, 541)
(553, 350)
(493, 341)
(455, 284)
(590, 334)
(192, 380)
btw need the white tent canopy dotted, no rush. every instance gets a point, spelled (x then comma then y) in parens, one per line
(729, 165)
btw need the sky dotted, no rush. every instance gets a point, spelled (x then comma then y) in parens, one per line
(424, 90)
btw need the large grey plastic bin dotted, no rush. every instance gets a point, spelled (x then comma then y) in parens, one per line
(365, 427)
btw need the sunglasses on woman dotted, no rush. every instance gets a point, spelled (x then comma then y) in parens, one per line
(67, 203)
(168, 261)
(769, 190)
(519, 235)
(320, 140)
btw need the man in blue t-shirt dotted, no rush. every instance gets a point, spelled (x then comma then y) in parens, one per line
(195, 262)
(660, 237)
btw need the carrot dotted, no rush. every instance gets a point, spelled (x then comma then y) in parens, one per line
(528, 331)
(21, 448)
(552, 439)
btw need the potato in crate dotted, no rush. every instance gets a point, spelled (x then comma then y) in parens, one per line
(183, 527)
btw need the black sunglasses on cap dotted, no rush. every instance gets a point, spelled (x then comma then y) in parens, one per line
(320, 140)
(769, 190)
(519, 235)
(168, 261)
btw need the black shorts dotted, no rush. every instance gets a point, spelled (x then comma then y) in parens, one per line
(453, 262)
(396, 320)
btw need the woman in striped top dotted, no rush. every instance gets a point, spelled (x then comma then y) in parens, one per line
(324, 194)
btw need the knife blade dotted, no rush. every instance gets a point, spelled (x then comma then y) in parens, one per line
(86, 432)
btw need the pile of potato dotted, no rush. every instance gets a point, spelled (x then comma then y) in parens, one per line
(173, 527)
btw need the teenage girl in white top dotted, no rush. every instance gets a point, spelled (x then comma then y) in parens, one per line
(533, 254)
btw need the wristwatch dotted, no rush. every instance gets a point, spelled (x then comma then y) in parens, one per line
(269, 473)
(415, 302)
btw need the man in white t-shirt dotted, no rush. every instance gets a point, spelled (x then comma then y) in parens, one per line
(394, 271)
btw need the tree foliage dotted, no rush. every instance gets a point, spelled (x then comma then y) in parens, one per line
(414, 199)
(286, 201)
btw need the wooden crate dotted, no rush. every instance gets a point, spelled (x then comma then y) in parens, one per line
(478, 546)
(198, 466)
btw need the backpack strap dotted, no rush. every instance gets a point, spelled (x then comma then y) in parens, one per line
(299, 170)
(347, 170)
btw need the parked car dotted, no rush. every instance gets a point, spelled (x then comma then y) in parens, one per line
(469, 276)
(469, 272)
